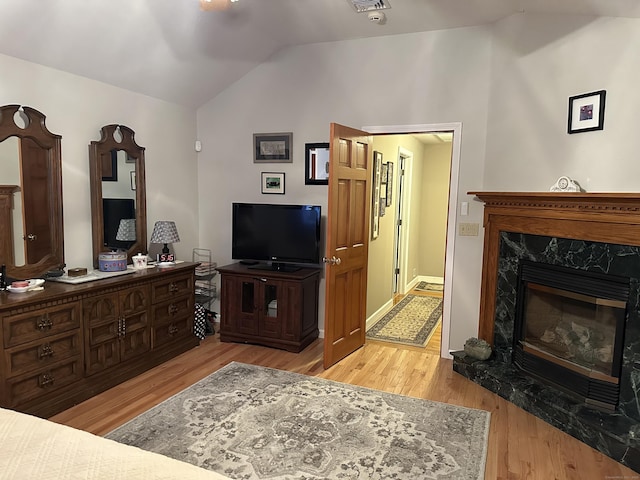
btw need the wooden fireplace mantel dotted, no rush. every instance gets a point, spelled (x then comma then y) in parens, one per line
(597, 217)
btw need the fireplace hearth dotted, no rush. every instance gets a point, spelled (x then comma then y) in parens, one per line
(566, 332)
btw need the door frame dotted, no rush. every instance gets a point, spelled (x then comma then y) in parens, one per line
(452, 216)
(401, 245)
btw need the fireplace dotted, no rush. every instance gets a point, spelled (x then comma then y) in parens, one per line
(560, 304)
(569, 327)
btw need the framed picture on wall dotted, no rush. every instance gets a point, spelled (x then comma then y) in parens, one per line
(272, 147)
(389, 182)
(273, 182)
(110, 167)
(375, 206)
(586, 112)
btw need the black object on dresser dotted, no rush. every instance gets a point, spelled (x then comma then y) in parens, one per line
(268, 307)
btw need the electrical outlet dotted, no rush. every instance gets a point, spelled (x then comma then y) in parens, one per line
(468, 229)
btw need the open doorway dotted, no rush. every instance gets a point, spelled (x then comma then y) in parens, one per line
(403, 269)
(347, 249)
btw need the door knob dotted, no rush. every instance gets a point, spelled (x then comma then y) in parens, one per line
(332, 261)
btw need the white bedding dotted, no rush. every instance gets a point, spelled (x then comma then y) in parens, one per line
(33, 448)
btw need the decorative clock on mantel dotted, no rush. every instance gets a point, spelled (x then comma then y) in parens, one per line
(565, 184)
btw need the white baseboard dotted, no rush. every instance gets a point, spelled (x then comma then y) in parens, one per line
(378, 314)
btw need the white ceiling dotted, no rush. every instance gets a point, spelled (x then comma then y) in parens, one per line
(172, 50)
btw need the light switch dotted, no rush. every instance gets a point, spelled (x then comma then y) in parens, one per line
(464, 208)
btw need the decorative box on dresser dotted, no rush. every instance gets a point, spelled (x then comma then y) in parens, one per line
(269, 307)
(67, 343)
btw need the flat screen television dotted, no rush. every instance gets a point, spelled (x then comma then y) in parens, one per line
(280, 235)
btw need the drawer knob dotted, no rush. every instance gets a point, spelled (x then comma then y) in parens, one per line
(173, 288)
(45, 351)
(45, 379)
(173, 309)
(173, 329)
(44, 323)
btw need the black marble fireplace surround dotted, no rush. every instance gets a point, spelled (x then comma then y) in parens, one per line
(615, 434)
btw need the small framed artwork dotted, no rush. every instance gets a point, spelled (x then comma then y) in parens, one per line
(389, 182)
(316, 167)
(110, 167)
(132, 174)
(383, 174)
(586, 112)
(273, 182)
(272, 147)
(375, 207)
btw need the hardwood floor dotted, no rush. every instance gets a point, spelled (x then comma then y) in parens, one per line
(520, 445)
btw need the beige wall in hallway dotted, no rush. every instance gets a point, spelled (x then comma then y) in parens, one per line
(434, 209)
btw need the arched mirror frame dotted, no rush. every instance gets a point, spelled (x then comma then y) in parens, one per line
(38, 132)
(103, 147)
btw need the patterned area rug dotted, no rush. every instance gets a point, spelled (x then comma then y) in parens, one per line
(411, 321)
(252, 422)
(429, 287)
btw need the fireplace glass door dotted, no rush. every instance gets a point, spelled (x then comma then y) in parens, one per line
(578, 331)
(569, 329)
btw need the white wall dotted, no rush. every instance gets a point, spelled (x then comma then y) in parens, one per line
(424, 78)
(76, 108)
(539, 62)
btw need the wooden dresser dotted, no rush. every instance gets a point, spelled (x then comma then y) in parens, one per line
(67, 343)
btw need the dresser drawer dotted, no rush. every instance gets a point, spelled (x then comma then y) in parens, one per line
(175, 329)
(31, 326)
(171, 287)
(42, 354)
(168, 311)
(33, 385)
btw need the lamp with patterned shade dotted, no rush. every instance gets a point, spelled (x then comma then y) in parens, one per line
(126, 230)
(165, 231)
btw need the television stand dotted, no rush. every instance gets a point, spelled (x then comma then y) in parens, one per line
(272, 307)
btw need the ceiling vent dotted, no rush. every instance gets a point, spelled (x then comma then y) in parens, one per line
(369, 5)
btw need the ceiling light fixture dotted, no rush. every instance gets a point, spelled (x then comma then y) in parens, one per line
(217, 5)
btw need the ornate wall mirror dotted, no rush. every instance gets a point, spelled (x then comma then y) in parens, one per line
(31, 228)
(118, 194)
(316, 166)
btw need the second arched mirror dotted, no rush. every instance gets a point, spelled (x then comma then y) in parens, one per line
(118, 195)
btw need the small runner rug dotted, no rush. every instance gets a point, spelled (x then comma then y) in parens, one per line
(411, 321)
(252, 422)
(429, 287)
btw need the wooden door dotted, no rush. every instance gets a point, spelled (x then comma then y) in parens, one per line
(35, 201)
(347, 247)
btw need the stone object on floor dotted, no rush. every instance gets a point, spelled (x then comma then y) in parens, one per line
(477, 348)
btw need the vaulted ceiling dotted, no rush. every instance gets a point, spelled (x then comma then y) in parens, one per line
(172, 50)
